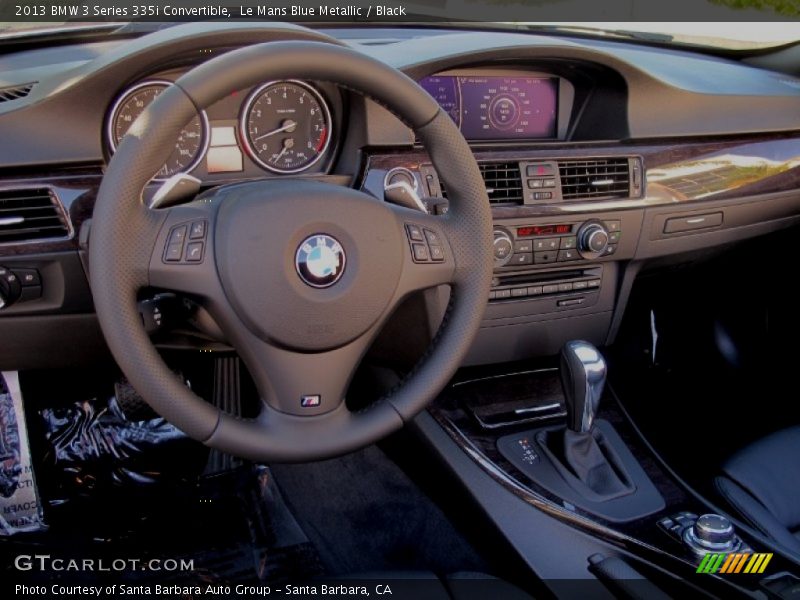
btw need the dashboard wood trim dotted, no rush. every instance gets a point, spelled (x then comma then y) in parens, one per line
(736, 167)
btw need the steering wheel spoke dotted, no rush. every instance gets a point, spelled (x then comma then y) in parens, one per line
(298, 383)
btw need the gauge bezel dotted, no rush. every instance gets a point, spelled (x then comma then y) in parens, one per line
(245, 137)
(165, 83)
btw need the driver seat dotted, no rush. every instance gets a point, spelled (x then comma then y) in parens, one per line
(762, 484)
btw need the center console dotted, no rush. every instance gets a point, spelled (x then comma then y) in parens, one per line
(571, 452)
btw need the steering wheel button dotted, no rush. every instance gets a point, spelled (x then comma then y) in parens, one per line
(432, 237)
(415, 233)
(177, 235)
(194, 252)
(174, 253)
(437, 253)
(420, 252)
(198, 230)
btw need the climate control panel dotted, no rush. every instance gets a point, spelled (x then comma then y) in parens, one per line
(535, 245)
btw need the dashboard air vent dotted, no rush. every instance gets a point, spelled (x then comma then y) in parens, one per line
(31, 214)
(503, 183)
(15, 92)
(594, 178)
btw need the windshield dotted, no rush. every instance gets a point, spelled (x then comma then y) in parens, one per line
(732, 35)
(727, 35)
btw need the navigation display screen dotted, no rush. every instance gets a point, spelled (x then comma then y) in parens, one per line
(498, 107)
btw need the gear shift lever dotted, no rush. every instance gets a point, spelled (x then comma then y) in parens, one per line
(580, 450)
(583, 377)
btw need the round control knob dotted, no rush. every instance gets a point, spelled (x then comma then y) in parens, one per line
(9, 287)
(713, 529)
(592, 240)
(712, 533)
(503, 247)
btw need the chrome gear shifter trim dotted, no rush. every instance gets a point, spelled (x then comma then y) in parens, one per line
(583, 374)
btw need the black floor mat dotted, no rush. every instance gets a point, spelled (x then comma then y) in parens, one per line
(362, 513)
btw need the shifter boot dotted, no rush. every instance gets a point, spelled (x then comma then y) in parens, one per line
(588, 463)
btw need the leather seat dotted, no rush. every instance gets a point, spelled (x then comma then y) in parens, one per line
(762, 483)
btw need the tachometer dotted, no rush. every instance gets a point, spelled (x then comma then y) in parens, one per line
(191, 142)
(286, 126)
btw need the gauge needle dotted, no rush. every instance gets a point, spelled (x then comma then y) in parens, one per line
(289, 124)
(281, 153)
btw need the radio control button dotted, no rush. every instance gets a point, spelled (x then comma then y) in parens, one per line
(549, 289)
(523, 246)
(492, 295)
(543, 258)
(535, 290)
(564, 287)
(519, 292)
(174, 252)
(177, 235)
(503, 294)
(198, 230)
(579, 285)
(568, 243)
(593, 283)
(437, 254)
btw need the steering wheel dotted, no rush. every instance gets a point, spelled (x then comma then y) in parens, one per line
(299, 275)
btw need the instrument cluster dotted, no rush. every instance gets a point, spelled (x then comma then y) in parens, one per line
(281, 127)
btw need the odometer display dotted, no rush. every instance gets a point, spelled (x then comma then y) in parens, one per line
(286, 126)
(190, 145)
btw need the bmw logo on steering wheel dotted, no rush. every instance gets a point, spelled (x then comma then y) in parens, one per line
(320, 261)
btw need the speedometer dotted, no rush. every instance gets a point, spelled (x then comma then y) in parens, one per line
(286, 126)
(191, 142)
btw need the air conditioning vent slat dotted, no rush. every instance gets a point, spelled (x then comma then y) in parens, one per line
(15, 92)
(31, 214)
(503, 183)
(594, 178)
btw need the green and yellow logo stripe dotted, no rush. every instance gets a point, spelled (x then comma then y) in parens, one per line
(734, 563)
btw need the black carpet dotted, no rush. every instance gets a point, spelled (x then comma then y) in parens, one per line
(362, 513)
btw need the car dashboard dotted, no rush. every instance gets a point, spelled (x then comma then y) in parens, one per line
(600, 159)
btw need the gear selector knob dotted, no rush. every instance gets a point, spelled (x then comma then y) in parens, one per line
(583, 377)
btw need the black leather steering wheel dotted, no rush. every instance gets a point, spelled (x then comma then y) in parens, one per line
(301, 339)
